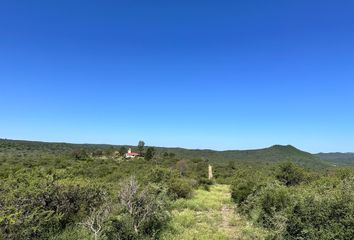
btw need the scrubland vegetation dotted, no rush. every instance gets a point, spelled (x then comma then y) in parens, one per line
(63, 191)
(297, 204)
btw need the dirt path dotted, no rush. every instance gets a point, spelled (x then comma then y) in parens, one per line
(227, 213)
(235, 226)
(208, 215)
(229, 219)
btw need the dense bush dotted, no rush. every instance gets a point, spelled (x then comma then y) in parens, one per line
(275, 201)
(327, 214)
(179, 188)
(34, 205)
(247, 182)
(160, 175)
(205, 183)
(142, 212)
(290, 174)
(320, 209)
(175, 185)
(241, 189)
(80, 154)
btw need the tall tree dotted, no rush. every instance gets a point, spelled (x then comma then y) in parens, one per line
(141, 146)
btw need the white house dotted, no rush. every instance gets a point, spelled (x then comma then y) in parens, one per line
(131, 154)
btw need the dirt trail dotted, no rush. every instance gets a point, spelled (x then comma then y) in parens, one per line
(229, 219)
(209, 215)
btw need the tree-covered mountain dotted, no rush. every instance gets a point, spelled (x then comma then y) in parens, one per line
(274, 154)
(338, 159)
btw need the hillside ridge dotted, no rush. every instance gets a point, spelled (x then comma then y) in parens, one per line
(270, 155)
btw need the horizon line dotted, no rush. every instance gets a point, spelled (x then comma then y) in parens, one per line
(186, 148)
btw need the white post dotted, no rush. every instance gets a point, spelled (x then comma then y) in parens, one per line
(210, 172)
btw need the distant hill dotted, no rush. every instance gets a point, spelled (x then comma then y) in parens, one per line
(20, 149)
(338, 159)
(274, 154)
(35, 148)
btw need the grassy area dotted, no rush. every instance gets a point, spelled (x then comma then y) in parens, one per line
(209, 215)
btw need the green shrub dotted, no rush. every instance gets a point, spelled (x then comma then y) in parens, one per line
(241, 189)
(321, 209)
(179, 188)
(80, 154)
(34, 205)
(245, 183)
(290, 174)
(205, 183)
(326, 215)
(275, 203)
(160, 175)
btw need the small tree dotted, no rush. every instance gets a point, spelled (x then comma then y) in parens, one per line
(141, 146)
(80, 154)
(142, 210)
(150, 153)
(182, 167)
(94, 223)
(97, 153)
(122, 151)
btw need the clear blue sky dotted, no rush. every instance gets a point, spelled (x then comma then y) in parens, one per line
(196, 74)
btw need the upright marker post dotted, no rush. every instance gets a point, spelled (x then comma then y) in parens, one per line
(210, 172)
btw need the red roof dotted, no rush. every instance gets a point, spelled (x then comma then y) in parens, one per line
(133, 154)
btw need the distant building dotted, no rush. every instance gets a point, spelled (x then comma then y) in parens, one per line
(131, 154)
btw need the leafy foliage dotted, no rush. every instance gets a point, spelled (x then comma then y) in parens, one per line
(34, 204)
(290, 174)
(150, 153)
(322, 207)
